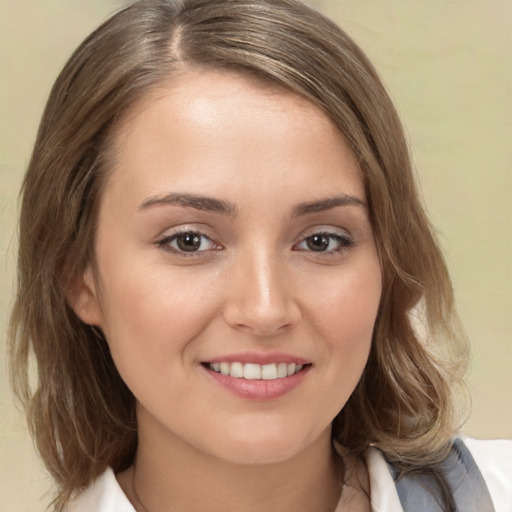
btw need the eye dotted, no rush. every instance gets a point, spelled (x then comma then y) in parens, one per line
(325, 243)
(187, 242)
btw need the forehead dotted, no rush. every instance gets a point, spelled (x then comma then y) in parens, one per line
(209, 129)
(197, 93)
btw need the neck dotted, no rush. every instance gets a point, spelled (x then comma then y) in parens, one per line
(180, 476)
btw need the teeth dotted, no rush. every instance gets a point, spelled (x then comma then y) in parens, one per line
(224, 368)
(269, 372)
(252, 371)
(237, 370)
(282, 370)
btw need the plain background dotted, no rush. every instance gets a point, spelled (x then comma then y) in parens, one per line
(448, 67)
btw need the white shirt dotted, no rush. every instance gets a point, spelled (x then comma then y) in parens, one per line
(494, 459)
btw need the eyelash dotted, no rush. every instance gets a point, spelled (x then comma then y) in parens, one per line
(165, 243)
(344, 243)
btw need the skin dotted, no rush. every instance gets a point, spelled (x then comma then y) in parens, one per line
(254, 285)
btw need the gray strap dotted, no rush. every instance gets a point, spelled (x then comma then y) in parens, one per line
(421, 493)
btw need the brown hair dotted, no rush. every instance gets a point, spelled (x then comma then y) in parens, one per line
(80, 412)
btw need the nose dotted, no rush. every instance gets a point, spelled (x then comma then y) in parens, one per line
(261, 295)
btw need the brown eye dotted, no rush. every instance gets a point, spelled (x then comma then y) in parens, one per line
(328, 243)
(187, 242)
(318, 243)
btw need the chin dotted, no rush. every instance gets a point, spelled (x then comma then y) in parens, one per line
(262, 446)
(256, 454)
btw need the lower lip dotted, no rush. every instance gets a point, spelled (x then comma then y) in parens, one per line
(259, 389)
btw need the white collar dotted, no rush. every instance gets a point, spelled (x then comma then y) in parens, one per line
(383, 494)
(105, 494)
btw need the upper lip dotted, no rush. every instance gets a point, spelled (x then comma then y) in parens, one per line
(258, 358)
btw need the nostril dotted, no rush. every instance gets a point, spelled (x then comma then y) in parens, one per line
(264, 329)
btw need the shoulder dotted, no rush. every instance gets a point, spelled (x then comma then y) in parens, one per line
(103, 495)
(494, 460)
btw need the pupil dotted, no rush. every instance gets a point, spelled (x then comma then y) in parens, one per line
(318, 242)
(189, 242)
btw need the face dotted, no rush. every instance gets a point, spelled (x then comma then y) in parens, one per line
(237, 279)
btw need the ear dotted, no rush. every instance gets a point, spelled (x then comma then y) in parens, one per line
(83, 298)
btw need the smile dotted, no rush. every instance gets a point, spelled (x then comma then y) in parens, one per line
(259, 382)
(253, 371)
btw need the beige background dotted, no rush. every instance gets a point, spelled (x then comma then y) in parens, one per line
(448, 65)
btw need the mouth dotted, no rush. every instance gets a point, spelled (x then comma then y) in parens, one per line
(254, 371)
(258, 376)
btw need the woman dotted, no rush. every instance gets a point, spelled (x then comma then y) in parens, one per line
(233, 295)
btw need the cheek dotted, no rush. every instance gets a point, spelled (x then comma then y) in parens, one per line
(151, 315)
(345, 304)
(344, 318)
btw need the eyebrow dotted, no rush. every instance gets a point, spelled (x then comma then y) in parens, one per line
(327, 204)
(222, 207)
(208, 204)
